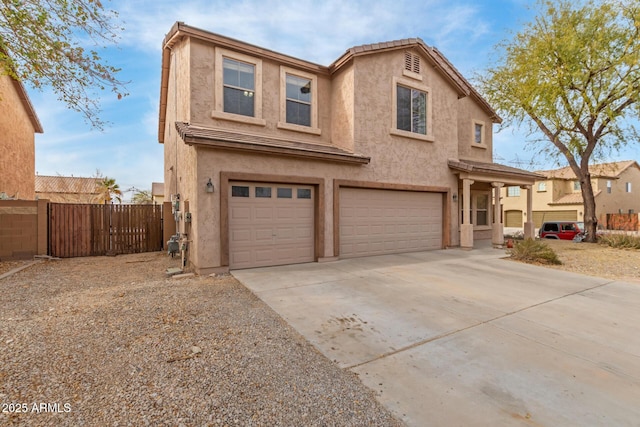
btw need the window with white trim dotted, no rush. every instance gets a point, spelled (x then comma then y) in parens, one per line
(411, 109)
(628, 187)
(298, 101)
(609, 186)
(576, 185)
(238, 87)
(482, 209)
(542, 186)
(513, 191)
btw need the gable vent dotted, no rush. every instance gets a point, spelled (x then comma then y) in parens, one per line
(412, 62)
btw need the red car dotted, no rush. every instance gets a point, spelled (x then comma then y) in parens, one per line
(564, 230)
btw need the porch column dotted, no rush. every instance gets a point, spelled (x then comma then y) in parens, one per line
(497, 228)
(466, 228)
(529, 227)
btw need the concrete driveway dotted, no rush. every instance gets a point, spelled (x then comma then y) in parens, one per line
(465, 338)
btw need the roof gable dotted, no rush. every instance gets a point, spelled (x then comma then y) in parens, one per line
(433, 55)
(180, 30)
(601, 170)
(66, 184)
(27, 105)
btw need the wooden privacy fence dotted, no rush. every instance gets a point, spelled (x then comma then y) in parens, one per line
(77, 230)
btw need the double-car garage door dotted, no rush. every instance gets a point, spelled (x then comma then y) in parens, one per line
(274, 224)
(376, 222)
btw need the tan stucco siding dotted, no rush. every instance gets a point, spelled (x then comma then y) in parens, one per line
(619, 200)
(203, 98)
(343, 109)
(398, 158)
(469, 112)
(176, 160)
(212, 163)
(17, 144)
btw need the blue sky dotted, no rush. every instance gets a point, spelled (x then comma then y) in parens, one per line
(128, 149)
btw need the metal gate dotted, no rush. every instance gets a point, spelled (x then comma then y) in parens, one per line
(77, 230)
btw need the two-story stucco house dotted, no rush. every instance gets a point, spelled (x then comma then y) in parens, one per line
(271, 159)
(558, 195)
(18, 126)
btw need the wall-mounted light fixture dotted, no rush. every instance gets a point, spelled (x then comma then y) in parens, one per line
(209, 187)
(455, 197)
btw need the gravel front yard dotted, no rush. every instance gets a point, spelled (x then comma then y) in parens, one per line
(597, 260)
(112, 341)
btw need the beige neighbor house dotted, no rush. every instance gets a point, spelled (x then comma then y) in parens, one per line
(271, 159)
(67, 189)
(157, 193)
(18, 126)
(616, 187)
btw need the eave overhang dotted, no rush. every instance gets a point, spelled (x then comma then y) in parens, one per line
(483, 171)
(221, 139)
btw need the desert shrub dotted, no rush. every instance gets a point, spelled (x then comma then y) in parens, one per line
(534, 251)
(620, 240)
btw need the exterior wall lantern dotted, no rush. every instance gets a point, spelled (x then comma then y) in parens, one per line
(209, 186)
(455, 197)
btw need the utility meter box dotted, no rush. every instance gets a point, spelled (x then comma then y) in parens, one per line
(173, 246)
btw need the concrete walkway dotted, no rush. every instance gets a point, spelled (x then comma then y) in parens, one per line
(465, 338)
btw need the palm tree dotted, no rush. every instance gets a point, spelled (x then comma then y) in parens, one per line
(108, 190)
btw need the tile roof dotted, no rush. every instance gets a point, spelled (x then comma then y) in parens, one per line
(495, 168)
(572, 199)
(601, 170)
(66, 184)
(191, 134)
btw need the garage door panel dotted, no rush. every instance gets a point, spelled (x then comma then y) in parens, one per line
(263, 234)
(389, 221)
(272, 230)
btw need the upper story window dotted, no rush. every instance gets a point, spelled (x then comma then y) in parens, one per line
(513, 191)
(238, 87)
(609, 186)
(411, 110)
(576, 185)
(542, 186)
(298, 101)
(628, 187)
(478, 132)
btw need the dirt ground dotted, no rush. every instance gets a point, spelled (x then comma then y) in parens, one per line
(585, 258)
(597, 260)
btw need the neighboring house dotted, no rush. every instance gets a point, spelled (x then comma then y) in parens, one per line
(67, 189)
(18, 126)
(271, 159)
(616, 187)
(157, 192)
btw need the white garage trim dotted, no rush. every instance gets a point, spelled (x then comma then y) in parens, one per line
(384, 221)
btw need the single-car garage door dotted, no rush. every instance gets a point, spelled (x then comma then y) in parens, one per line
(513, 218)
(270, 224)
(541, 216)
(376, 222)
